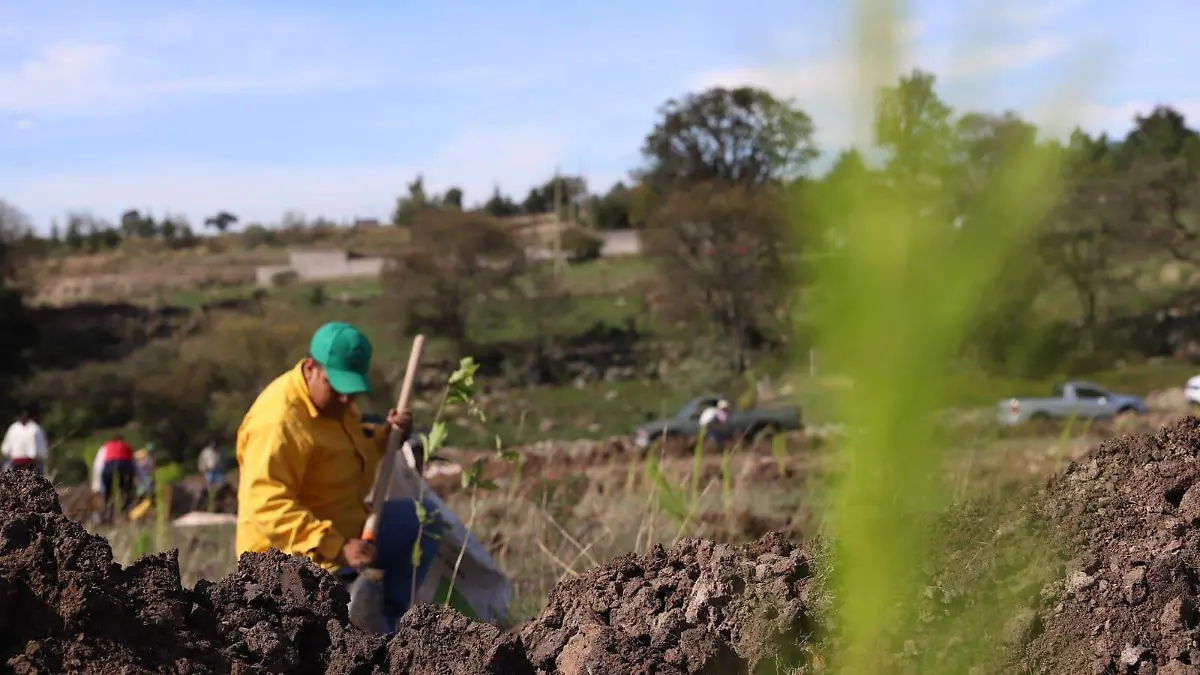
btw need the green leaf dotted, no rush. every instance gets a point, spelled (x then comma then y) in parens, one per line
(487, 485)
(435, 439)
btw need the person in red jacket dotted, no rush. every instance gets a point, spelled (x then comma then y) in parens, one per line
(118, 473)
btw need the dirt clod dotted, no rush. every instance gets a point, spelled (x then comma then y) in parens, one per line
(698, 608)
(24, 492)
(1134, 514)
(65, 606)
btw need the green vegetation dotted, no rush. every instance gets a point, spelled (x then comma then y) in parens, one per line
(721, 298)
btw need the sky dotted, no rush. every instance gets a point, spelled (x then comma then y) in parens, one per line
(332, 108)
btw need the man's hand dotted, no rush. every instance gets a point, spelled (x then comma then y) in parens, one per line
(357, 553)
(401, 420)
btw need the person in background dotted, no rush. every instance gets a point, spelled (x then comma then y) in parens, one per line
(306, 468)
(144, 459)
(717, 413)
(211, 465)
(25, 445)
(713, 418)
(115, 473)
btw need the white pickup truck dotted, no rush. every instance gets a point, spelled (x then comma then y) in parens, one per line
(1073, 399)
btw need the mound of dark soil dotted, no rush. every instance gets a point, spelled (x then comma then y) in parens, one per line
(1128, 602)
(65, 606)
(698, 607)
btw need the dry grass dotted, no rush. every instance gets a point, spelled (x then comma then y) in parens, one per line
(543, 529)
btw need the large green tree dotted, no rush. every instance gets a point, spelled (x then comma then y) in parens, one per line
(1159, 165)
(916, 129)
(743, 136)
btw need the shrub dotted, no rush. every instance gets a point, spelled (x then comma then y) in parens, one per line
(67, 469)
(317, 296)
(256, 235)
(96, 396)
(284, 278)
(457, 264)
(581, 245)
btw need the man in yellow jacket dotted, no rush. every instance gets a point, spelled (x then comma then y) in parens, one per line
(305, 463)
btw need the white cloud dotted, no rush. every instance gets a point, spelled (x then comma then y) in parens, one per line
(1034, 12)
(23, 124)
(87, 78)
(62, 76)
(473, 161)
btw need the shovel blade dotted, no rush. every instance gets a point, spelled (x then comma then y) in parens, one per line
(366, 601)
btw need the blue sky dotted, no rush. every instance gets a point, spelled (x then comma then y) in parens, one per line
(330, 108)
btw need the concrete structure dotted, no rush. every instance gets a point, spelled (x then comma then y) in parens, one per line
(322, 266)
(620, 242)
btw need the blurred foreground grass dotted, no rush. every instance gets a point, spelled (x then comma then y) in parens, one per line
(897, 303)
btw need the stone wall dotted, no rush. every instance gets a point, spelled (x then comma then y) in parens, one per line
(322, 266)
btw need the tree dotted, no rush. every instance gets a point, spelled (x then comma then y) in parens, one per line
(133, 224)
(1078, 244)
(569, 190)
(719, 250)
(85, 231)
(613, 210)
(221, 222)
(14, 225)
(501, 206)
(19, 334)
(74, 237)
(986, 144)
(915, 126)
(1159, 161)
(414, 203)
(457, 264)
(830, 201)
(169, 230)
(739, 136)
(453, 199)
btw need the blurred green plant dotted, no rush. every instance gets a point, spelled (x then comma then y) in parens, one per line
(906, 256)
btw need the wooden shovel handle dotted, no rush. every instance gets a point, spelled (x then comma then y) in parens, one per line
(384, 471)
(414, 358)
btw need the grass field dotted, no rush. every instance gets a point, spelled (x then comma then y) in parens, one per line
(547, 527)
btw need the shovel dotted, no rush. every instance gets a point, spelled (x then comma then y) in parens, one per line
(366, 591)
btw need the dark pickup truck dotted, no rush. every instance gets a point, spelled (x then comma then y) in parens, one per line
(739, 423)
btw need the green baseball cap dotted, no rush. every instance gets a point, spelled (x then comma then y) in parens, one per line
(346, 355)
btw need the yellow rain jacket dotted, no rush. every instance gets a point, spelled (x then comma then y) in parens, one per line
(303, 478)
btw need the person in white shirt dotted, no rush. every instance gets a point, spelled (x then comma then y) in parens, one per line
(712, 421)
(717, 413)
(25, 445)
